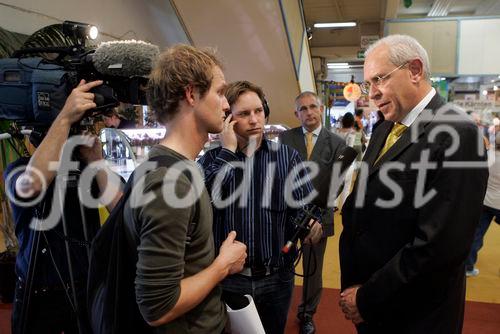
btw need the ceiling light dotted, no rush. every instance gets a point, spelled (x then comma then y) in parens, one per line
(495, 87)
(485, 92)
(338, 67)
(440, 8)
(335, 25)
(338, 64)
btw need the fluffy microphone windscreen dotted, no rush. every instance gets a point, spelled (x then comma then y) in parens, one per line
(125, 58)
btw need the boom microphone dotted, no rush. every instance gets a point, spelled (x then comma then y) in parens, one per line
(125, 58)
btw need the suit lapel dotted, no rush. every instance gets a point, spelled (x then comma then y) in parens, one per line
(403, 142)
(299, 142)
(376, 143)
(410, 135)
(320, 142)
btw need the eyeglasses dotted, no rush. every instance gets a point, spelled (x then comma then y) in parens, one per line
(377, 81)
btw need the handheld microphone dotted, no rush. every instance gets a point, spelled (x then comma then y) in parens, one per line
(322, 181)
(302, 227)
(125, 58)
(346, 158)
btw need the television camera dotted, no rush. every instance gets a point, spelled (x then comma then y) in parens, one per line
(33, 90)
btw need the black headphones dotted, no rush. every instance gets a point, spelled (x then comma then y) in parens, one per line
(265, 105)
(244, 86)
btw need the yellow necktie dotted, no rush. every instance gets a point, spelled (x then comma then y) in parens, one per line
(309, 144)
(392, 138)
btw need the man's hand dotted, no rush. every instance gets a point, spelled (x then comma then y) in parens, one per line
(348, 304)
(228, 136)
(232, 254)
(315, 233)
(78, 102)
(93, 152)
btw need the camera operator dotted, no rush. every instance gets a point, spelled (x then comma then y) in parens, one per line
(49, 305)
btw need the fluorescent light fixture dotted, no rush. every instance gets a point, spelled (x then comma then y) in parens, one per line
(338, 68)
(335, 25)
(440, 8)
(333, 66)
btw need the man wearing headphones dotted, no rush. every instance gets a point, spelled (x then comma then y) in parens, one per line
(247, 180)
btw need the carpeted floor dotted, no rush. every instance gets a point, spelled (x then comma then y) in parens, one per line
(5, 311)
(480, 318)
(482, 313)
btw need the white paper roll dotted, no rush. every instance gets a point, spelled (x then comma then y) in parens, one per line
(245, 320)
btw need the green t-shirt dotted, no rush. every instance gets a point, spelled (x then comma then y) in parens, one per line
(159, 228)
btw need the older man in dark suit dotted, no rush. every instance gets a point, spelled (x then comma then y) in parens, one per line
(314, 143)
(410, 220)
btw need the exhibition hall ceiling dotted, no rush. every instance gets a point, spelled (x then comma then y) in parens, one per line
(370, 16)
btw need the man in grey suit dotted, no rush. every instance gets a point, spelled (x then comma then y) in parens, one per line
(314, 143)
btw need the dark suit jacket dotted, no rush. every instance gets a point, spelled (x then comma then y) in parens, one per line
(409, 259)
(326, 150)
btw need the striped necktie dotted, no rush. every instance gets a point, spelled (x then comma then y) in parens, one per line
(392, 138)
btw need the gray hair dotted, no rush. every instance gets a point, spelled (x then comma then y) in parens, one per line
(308, 93)
(402, 49)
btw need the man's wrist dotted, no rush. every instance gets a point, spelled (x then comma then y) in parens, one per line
(231, 148)
(220, 268)
(360, 305)
(62, 121)
(227, 155)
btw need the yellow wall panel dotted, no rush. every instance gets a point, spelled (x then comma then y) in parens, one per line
(439, 38)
